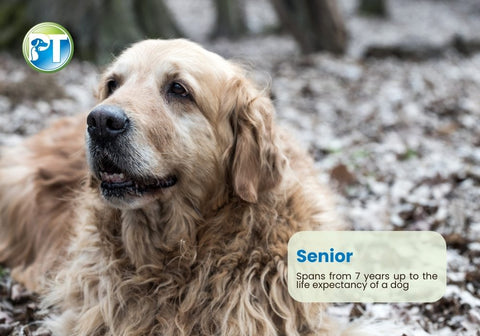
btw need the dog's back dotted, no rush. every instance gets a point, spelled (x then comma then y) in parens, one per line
(39, 180)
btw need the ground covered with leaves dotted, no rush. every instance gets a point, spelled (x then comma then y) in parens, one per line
(394, 127)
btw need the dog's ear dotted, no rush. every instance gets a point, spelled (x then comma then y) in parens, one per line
(255, 161)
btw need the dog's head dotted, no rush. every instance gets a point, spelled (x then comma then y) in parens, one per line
(175, 119)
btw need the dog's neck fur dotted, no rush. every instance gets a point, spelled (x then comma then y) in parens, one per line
(169, 227)
(157, 228)
(173, 248)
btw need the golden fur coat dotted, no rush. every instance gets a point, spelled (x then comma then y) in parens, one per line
(205, 253)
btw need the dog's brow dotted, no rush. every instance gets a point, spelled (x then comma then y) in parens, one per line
(120, 68)
(176, 74)
(112, 75)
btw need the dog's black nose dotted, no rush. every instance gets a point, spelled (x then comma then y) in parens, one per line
(106, 122)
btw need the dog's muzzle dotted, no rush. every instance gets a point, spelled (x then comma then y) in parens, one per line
(110, 156)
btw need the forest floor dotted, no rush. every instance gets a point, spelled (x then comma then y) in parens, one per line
(394, 127)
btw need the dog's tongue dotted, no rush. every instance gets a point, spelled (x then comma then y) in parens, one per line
(112, 178)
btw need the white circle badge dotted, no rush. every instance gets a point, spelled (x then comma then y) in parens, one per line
(47, 47)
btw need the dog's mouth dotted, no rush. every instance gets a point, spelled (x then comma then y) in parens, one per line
(117, 183)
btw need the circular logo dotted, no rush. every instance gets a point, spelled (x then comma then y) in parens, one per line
(48, 47)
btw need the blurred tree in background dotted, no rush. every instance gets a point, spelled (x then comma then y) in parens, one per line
(317, 25)
(13, 23)
(230, 19)
(373, 7)
(101, 28)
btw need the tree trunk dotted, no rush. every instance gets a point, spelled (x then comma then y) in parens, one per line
(155, 19)
(373, 7)
(14, 23)
(230, 21)
(317, 25)
(115, 30)
(100, 28)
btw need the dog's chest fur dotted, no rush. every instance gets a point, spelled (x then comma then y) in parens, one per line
(184, 275)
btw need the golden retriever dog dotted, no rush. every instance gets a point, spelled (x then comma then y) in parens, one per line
(168, 208)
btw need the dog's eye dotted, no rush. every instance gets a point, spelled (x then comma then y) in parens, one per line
(178, 90)
(112, 85)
